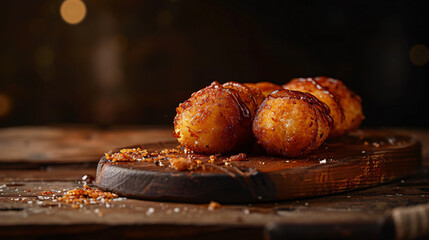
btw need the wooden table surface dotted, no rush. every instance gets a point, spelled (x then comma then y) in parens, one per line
(55, 158)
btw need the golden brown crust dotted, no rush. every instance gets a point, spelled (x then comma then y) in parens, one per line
(265, 87)
(213, 120)
(252, 97)
(307, 97)
(344, 104)
(291, 123)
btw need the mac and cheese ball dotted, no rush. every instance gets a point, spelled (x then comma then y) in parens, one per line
(344, 104)
(291, 123)
(213, 120)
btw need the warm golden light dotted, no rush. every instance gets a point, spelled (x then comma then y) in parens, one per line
(5, 105)
(419, 54)
(73, 11)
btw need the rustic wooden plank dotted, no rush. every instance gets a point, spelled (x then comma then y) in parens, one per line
(366, 158)
(360, 207)
(337, 230)
(50, 173)
(100, 231)
(129, 217)
(422, 135)
(70, 144)
(371, 201)
(53, 144)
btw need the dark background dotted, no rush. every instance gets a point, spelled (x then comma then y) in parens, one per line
(133, 62)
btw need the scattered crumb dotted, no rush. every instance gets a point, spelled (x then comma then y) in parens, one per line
(150, 211)
(167, 157)
(127, 155)
(88, 178)
(182, 163)
(78, 197)
(323, 161)
(213, 206)
(238, 157)
(186, 150)
(212, 159)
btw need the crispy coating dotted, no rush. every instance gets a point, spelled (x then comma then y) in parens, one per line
(182, 163)
(265, 87)
(213, 120)
(291, 123)
(252, 97)
(345, 105)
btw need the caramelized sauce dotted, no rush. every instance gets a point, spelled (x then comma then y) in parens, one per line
(307, 97)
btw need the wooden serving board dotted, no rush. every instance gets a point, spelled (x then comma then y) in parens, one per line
(359, 160)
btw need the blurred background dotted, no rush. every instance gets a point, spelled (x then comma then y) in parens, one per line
(132, 62)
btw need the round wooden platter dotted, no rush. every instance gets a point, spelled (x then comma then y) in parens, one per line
(359, 160)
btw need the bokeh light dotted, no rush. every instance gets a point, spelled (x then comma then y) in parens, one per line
(5, 105)
(419, 54)
(73, 11)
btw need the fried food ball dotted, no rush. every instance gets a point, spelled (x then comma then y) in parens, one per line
(291, 123)
(251, 96)
(265, 87)
(213, 120)
(345, 105)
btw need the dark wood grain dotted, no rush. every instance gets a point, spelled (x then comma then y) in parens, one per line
(360, 210)
(34, 147)
(22, 217)
(363, 159)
